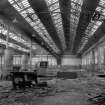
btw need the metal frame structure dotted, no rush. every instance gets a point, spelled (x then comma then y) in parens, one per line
(54, 9)
(26, 11)
(93, 25)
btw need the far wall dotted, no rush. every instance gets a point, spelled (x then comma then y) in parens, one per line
(70, 60)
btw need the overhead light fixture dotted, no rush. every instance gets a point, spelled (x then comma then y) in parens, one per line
(33, 35)
(15, 20)
(42, 43)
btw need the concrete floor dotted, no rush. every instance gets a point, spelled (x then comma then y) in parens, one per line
(63, 92)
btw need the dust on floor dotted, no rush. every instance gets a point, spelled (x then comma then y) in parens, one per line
(64, 92)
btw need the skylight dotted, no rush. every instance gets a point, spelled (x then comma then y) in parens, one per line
(14, 46)
(49, 2)
(54, 8)
(25, 10)
(94, 25)
(14, 36)
(75, 15)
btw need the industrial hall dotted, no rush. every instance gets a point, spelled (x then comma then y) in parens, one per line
(52, 52)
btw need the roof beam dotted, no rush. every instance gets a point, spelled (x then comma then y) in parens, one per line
(95, 38)
(17, 51)
(65, 6)
(88, 8)
(27, 30)
(43, 13)
(13, 41)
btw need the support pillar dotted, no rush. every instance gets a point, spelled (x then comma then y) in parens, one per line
(59, 62)
(104, 60)
(1, 56)
(25, 60)
(93, 61)
(8, 61)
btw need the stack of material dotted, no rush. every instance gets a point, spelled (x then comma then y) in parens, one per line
(98, 100)
(97, 93)
(67, 75)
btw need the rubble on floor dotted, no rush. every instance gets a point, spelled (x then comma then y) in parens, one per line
(98, 100)
(60, 92)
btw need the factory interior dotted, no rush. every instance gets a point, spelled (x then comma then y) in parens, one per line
(52, 52)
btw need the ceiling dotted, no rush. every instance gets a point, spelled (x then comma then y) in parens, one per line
(58, 26)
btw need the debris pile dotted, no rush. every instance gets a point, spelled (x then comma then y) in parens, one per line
(74, 91)
(98, 100)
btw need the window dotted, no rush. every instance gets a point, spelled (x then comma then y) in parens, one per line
(55, 12)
